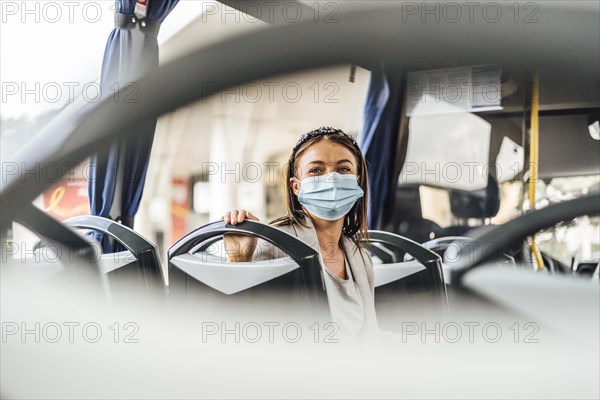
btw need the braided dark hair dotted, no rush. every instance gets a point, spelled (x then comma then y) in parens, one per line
(322, 131)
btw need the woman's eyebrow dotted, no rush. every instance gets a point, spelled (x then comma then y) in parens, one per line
(319, 162)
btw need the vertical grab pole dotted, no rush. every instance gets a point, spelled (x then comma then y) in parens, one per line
(534, 161)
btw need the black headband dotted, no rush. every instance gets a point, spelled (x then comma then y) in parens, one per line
(323, 131)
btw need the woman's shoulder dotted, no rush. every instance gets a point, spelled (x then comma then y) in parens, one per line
(281, 221)
(287, 224)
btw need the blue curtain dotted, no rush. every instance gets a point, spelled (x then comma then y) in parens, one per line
(128, 56)
(381, 121)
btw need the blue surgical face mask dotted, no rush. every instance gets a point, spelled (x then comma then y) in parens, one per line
(330, 196)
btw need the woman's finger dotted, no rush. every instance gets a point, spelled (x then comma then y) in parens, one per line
(241, 216)
(233, 217)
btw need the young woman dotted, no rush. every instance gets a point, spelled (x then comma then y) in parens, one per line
(326, 199)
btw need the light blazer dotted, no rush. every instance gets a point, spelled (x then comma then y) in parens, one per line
(360, 265)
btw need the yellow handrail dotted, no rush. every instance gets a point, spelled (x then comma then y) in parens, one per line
(534, 162)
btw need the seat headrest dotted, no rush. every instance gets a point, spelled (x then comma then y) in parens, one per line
(476, 204)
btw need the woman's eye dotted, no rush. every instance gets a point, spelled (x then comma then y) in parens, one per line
(315, 170)
(345, 170)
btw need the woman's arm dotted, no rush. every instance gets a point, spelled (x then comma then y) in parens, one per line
(239, 248)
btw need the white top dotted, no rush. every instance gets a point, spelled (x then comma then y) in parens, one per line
(345, 302)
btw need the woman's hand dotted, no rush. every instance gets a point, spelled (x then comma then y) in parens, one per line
(239, 248)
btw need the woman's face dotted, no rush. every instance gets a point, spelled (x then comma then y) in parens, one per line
(321, 158)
